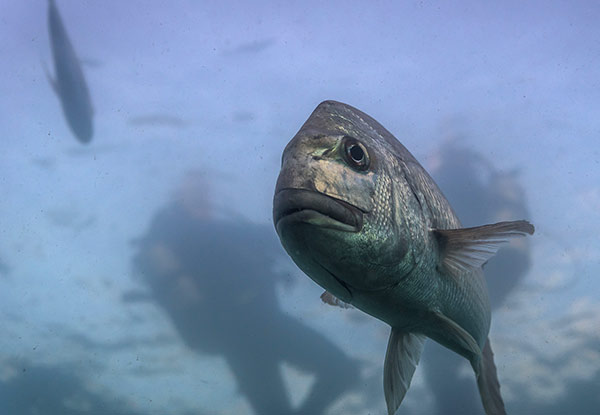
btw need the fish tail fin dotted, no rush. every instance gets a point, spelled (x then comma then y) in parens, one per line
(487, 382)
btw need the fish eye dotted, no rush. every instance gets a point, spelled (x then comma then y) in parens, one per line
(355, 154)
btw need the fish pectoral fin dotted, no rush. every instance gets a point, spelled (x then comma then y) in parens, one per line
(331, 299)
(487, 382)
(51, 80)
(463, 250)
(466, 342)
(401, 359)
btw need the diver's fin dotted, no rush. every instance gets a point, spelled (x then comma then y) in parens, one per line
(463, 250)
(462, 338)
(331, 299)
(487, 382)
(401, 359)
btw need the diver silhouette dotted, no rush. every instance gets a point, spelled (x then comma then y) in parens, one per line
(479, 194)
(215, 279)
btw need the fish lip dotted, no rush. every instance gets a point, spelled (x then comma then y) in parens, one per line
(309, 206)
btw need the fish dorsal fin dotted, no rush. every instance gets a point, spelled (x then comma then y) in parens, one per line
(466, 249)
(331, 299)
(461, 337)
(401, 359)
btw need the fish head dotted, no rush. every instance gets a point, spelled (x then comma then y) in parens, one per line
(333, 207)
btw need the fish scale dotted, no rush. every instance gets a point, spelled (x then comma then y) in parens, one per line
(382, 210)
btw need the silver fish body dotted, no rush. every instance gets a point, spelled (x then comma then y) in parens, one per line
(69, 82)
(362, 218)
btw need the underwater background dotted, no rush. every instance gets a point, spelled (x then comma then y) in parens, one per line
(141, 274)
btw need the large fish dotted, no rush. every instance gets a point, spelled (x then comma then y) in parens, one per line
(362, 218)
(69, 83)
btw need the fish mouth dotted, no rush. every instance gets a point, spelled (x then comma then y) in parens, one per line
(302, 205)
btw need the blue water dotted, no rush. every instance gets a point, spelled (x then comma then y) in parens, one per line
(110, 303)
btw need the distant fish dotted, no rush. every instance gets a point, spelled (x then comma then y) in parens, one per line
(67, 218)
(46, 163)
(90, 62)
(243, 116)
(252, 47)
(158, 120)
(361, 217)
(4, 268)
(69, 84)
